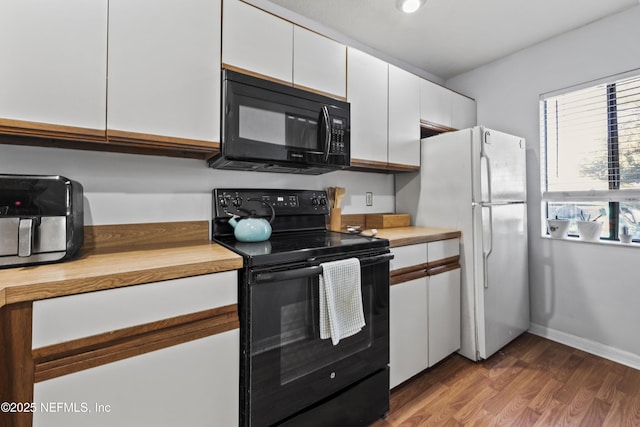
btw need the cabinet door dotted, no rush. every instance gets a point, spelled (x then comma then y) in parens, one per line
(319, 63)
(463, 112)
(444, 315)
(367, 79)
(54, 61)
(408, 319)
(408, 256)
(57, 320)
(435, 103)
(257, 41)
(192, 384)
(164, 68)
(441, 249)
(404, 117)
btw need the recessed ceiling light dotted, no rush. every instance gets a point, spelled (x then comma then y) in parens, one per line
(409, 6)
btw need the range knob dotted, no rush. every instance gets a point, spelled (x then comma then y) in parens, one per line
(224, 202)
(315, 201)
(323, 202)
(237, 201)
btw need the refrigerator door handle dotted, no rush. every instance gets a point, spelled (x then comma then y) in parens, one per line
(486, 253)
(487, 162)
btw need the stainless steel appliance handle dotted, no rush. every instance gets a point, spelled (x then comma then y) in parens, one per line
(26, 234)
(327, 126)
(300, 273)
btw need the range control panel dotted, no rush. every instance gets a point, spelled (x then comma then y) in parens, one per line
(228, 202)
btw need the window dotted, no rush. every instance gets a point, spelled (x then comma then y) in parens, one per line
(591, 154)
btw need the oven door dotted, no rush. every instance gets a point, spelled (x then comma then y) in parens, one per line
(289, 367)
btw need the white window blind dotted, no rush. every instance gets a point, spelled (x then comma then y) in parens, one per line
(590, 150)
(591, 138)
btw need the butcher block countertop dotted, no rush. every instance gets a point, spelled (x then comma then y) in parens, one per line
(403, 236)
(115, 256)
(122, 255)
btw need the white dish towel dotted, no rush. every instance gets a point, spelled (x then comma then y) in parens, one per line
(341, 313)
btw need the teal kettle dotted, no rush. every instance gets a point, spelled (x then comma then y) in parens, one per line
(252, 228)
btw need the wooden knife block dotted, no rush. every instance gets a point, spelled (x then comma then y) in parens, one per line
(335, 219)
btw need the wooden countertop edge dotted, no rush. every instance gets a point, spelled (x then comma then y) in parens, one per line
(91, 272)
(403, 236)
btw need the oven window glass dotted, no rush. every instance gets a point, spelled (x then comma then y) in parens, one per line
(285, 330)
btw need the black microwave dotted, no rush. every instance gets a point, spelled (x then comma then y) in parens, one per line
(271, 127)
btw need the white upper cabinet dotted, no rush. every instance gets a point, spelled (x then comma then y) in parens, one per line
(257, 41)
(367, 79)
(164, 68)
(443, 107)
(404, 117)
(435, 103)
(319, 63)
(463, 112)
(54, 62)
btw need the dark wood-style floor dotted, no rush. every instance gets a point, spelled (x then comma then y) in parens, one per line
(531, 382)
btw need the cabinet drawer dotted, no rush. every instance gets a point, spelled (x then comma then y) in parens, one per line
(407, 256)
(76, 316)
(443, 249)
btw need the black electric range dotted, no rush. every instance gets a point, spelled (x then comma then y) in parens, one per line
(289, 375)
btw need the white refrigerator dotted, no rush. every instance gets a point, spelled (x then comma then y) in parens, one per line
(474, 180)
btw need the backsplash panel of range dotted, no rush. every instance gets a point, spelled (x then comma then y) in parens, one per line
(41, 219)
(271, 127)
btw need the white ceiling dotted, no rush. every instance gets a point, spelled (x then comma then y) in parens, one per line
(450, 37)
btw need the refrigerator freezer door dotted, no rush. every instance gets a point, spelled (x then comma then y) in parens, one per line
(501, 161)
(502, 291)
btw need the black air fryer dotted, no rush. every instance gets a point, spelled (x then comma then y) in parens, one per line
(41, 219)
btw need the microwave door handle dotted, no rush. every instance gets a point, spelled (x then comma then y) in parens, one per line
(327, 128)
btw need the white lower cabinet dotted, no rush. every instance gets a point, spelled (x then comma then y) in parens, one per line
(443, 315)
(192, 384)
(425, 311)
(408, 322)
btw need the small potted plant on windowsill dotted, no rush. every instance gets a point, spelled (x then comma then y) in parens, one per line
(590, 230)
(558, 228)
(625, 237)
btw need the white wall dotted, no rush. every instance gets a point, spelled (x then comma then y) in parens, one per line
(584, 294)
(128, 188)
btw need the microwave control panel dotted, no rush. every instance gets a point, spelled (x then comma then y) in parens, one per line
(337, 137)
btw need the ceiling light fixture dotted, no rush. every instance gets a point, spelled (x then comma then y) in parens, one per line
(409, 6)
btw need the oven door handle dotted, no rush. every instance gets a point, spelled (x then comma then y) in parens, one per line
(300, 273)
(376, 259)
(278, 276)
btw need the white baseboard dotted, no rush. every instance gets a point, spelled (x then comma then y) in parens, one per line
(605, 351)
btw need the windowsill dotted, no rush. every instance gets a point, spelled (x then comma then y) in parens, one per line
(600, 242)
